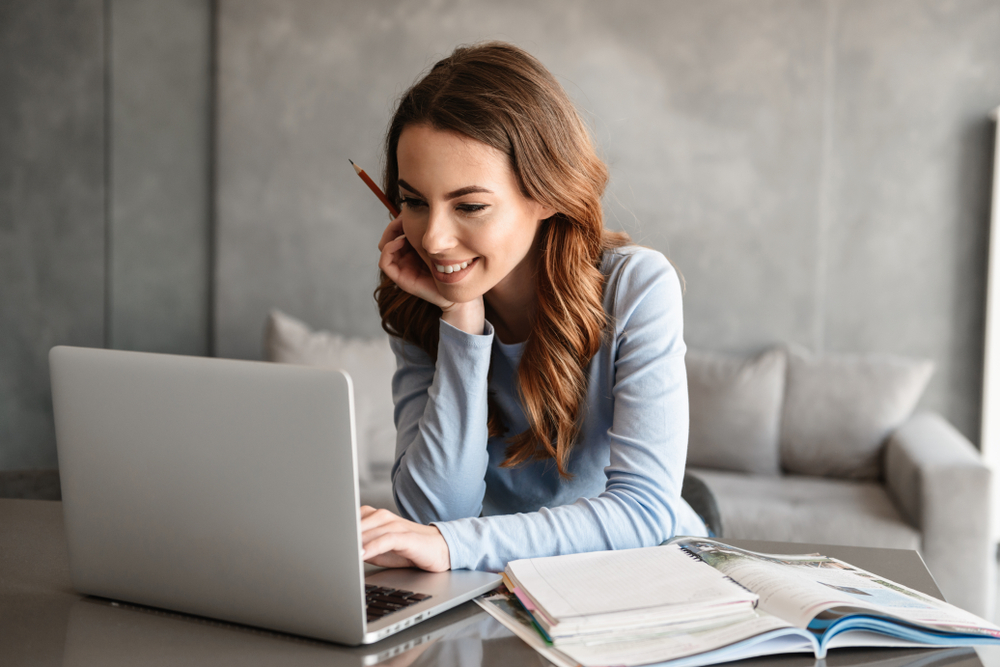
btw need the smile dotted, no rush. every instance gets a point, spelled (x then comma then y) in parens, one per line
(452, 268)
(450, 273)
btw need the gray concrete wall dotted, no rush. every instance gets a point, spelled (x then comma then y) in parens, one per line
(160, 202)
(51, 208)
(817, 169)
(906, 223)
(104, 192)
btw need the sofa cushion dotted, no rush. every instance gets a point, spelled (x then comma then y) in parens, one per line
(370, 363)
(797, 508)
(839, 410)
(735, 405)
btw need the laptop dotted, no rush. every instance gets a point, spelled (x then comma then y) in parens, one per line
(227, 489)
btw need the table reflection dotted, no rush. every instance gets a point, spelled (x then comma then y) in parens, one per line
(102, 632)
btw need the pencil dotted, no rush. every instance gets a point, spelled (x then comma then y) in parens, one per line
(374, 188)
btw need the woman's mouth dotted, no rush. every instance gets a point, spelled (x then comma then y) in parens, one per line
(450, 273)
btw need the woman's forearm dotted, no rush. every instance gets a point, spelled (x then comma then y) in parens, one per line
(441, 415)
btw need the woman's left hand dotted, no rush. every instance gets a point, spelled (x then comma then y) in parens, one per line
(392, 541)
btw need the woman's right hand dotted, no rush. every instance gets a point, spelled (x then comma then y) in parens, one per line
(406, 267)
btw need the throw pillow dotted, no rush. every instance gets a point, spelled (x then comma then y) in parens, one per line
(735, 405)
(370, 363)
(840, 408)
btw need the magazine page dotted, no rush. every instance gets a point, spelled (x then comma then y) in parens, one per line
(802, 588)
(629, 581)
(784, 588)
(762, 633)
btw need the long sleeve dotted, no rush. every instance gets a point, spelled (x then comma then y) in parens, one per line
(441, 431)
(645, 443)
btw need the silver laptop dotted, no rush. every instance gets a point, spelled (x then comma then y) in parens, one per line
(227, 489)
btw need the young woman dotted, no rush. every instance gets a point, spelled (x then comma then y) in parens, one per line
(540, 391)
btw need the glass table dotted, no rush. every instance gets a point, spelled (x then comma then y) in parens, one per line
(44, 622)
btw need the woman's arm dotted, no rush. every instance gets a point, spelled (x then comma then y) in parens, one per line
(641, 503)
(441, 431)
(440, 411)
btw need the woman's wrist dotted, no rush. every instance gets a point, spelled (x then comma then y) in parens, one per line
(468, 316)
(444, 552)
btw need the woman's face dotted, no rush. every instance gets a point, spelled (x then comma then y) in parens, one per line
(464, 214)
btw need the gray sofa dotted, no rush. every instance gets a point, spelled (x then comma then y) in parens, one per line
(933, 498)
(795, 448)
(825, 449)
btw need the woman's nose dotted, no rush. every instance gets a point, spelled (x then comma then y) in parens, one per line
(440, 234)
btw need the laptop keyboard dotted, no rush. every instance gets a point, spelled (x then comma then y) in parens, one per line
(381, 601)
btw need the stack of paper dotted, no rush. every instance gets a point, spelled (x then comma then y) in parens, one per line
(633, 593)
(679, 605)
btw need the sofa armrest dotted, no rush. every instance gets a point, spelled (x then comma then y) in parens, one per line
(941, 486)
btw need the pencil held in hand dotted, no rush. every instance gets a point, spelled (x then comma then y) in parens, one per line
(374, 188)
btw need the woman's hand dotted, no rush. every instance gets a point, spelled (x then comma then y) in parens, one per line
(391, 541)
(407, 269)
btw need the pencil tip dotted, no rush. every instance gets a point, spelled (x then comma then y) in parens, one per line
(350, 160)
(356, 167)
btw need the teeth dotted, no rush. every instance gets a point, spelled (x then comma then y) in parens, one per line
(451, 268)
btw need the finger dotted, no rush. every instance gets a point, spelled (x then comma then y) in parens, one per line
(396, 246)
(387, 261)
(390, 559)
(393, 253)
(376, 527)
(394, 229)
(376, 518)
(375, 546)
(391, 544)
(372, 533)
(391, 231)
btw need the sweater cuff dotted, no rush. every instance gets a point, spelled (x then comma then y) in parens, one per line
(457, 554)
(453, 333)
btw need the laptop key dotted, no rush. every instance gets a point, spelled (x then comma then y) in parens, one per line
(402, 602)
(378, 604)
(381, 601)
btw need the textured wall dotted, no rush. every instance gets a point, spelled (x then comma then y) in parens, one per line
(159, 233)
(817, 169)
(907, 213)
(51, 208)
(104, 192)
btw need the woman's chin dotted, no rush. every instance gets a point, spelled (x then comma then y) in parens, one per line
(460, 292)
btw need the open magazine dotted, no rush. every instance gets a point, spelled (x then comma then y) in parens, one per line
(801, 604)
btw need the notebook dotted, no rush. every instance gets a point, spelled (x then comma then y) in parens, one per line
(226, 489)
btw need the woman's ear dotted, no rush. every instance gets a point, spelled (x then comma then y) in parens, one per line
(545, 212)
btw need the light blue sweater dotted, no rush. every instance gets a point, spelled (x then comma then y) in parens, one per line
(627, 464)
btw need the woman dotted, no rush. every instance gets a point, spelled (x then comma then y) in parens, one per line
(541, 399)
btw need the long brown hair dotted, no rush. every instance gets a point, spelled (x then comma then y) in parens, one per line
(502, 96)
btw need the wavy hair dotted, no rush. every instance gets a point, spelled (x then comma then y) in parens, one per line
(500, 95)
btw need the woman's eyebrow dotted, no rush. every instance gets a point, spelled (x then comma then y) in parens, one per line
(467, 190)
(403, 184)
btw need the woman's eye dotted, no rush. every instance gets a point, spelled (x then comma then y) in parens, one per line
(471, 208)
(411, 203)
